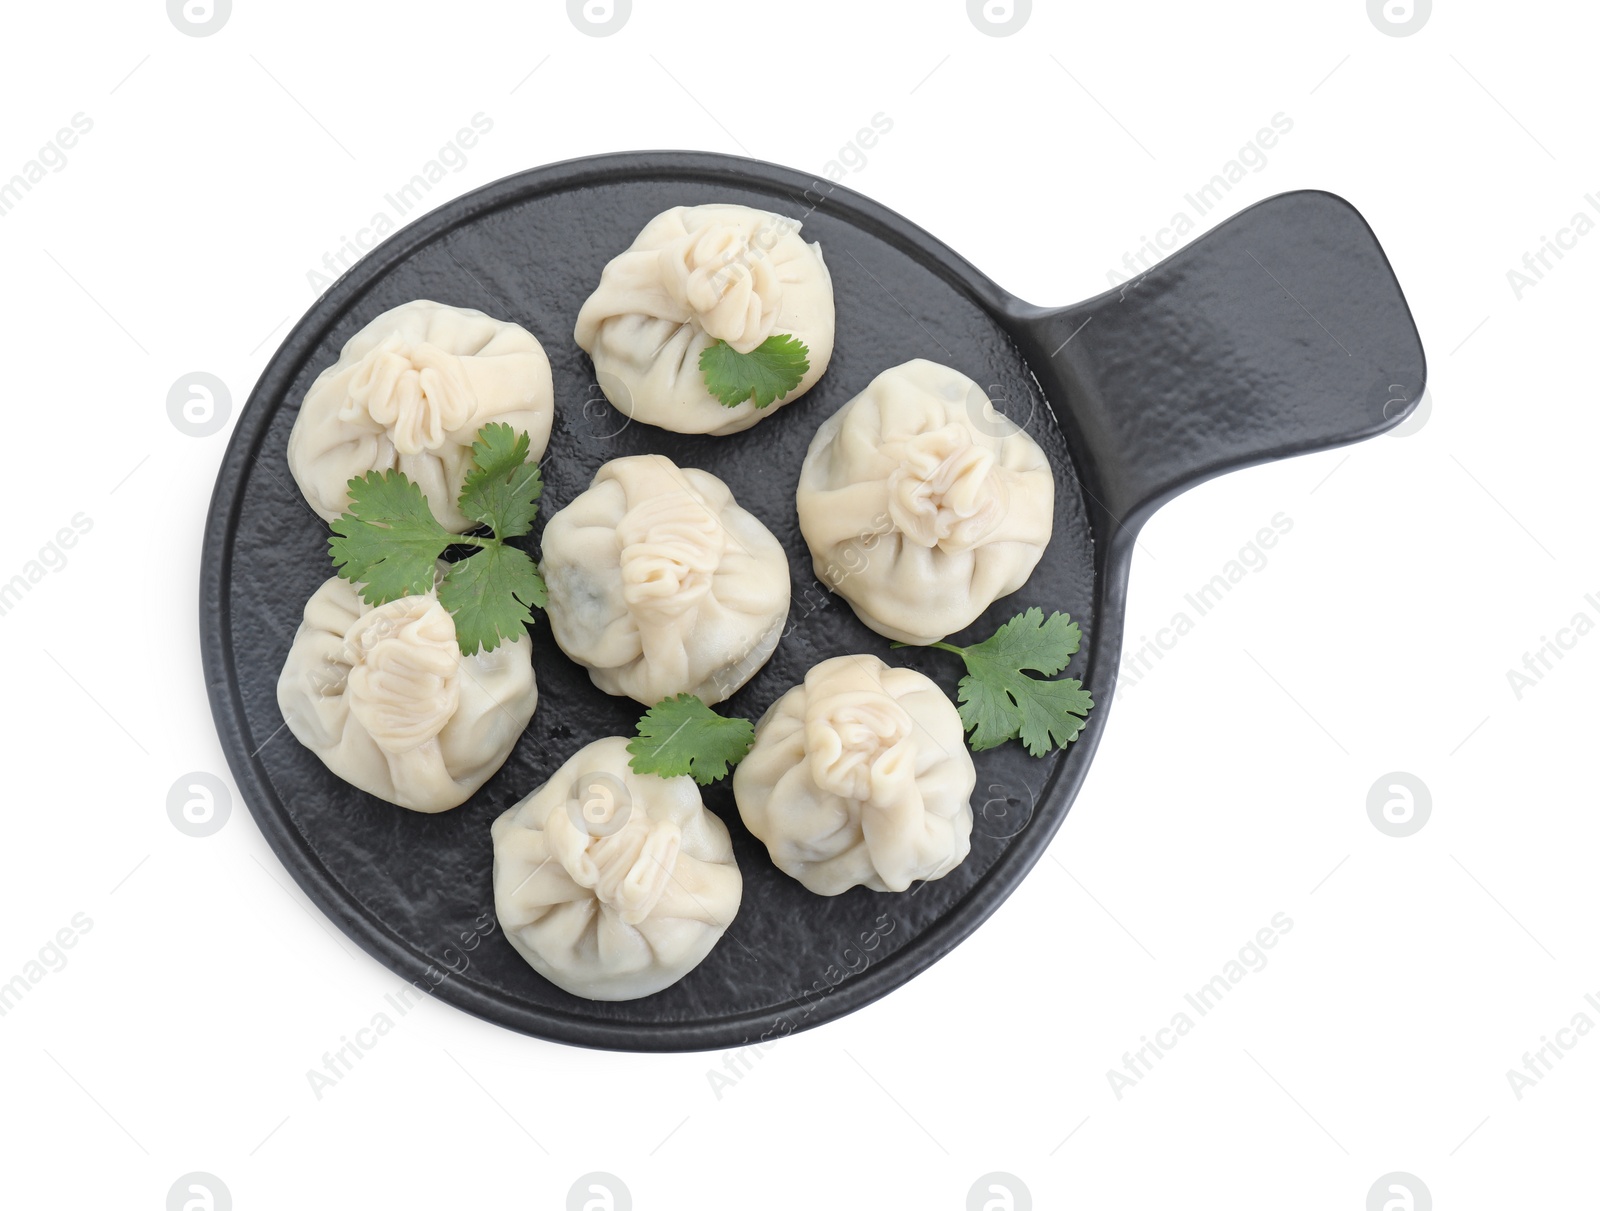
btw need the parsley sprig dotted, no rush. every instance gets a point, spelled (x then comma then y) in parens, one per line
(999, 701)
(682, 735)
(768, 372)
(389, 540)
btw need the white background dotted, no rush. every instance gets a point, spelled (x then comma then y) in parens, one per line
(1232, 781)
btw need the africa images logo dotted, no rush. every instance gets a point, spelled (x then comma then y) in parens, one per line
(199, 1192)
(599, 1192)
(1399, 1192)
(1399, 804)
(999, 18)
(199, 18)
(199, 804)
(198, 404)
(1399, 18)
(999, 1192)
(599, 18)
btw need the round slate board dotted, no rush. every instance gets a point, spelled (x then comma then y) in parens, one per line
(415, 890)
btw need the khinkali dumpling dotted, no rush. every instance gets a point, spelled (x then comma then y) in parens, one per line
(860, 776)
(921, 504)
(695, 275)
(385, 697)
(661, 584)
(411, 390)
(613, 884)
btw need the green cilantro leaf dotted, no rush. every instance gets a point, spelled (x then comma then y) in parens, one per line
(683, 735)
(503, 488)
(1000, 702)
(1029, 641)
(489, 593)
(388, 540)
(1053, 713)
(768, 372)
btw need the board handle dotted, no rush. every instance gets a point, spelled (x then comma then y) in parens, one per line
(1280, 332)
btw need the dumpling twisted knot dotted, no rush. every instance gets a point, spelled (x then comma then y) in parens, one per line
(856, 742)
(672, 545)
(417, 392)
(617, 852)
(730, 287)
(405, 672)
(944, 492)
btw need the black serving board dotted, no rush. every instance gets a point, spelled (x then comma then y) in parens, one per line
(1282, 331)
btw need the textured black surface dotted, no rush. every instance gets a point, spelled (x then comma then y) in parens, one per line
(1203, 365)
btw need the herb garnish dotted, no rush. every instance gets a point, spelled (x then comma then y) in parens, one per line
(682, 735)
(388, 541)
(1000, 702)
(768, 372)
